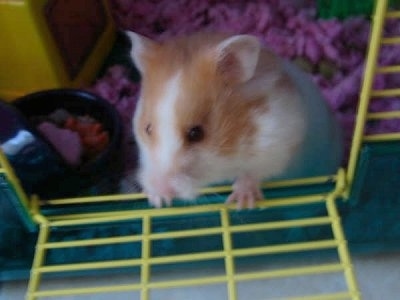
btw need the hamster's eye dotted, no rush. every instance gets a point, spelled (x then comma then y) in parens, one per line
(149, 129)
(195, 134)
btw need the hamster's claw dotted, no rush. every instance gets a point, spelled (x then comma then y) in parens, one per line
(246, 191)
(158, 201)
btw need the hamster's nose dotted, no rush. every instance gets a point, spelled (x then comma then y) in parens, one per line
(163, 188)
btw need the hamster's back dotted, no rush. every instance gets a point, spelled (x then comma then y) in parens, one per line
(322, 150)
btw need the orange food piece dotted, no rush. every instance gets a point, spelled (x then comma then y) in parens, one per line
(85, 129)
(70, 123)
(93, 137)
(96, 143)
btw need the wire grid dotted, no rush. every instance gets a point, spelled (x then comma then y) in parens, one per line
(143, 281)
(365, 114)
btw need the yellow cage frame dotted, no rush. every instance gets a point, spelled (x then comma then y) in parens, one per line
(343, 181)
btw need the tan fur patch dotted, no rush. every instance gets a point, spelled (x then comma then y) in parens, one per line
(206, 99)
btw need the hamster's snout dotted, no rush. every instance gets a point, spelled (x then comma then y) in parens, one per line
(163, 188)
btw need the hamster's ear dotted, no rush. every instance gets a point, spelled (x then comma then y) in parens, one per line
(237, 57)
(140, 47)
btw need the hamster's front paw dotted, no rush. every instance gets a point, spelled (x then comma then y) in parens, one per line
(158, 201)
(246, 191)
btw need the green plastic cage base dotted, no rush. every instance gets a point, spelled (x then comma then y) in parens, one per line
(342, 9)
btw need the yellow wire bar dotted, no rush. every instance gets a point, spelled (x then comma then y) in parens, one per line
(366, 88)
(145, 260)
(229, 255)
(333, 296)
(6, 168)
(204, 191)
(288, 272)
(382, 137)
(384, 115)
(317, 221)
(38, 261)
(390, 40)
(388, 69)
(342, 247)
(394, 14)
(130, 215)
(192, 257)
(209, 280)
(386, 93)
(125, 288)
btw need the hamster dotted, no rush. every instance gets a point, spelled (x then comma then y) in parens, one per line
(216, 108)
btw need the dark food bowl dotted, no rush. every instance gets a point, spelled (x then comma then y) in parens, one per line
(71, 181)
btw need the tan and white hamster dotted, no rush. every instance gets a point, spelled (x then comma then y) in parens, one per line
(215, 108)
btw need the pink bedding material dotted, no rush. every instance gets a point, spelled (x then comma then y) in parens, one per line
(332, 51)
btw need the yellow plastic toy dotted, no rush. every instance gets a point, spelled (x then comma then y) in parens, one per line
(48, 44)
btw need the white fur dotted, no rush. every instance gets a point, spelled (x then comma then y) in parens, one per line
(158, 162)
(276, 139)
(144, 150)
(169, 141)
